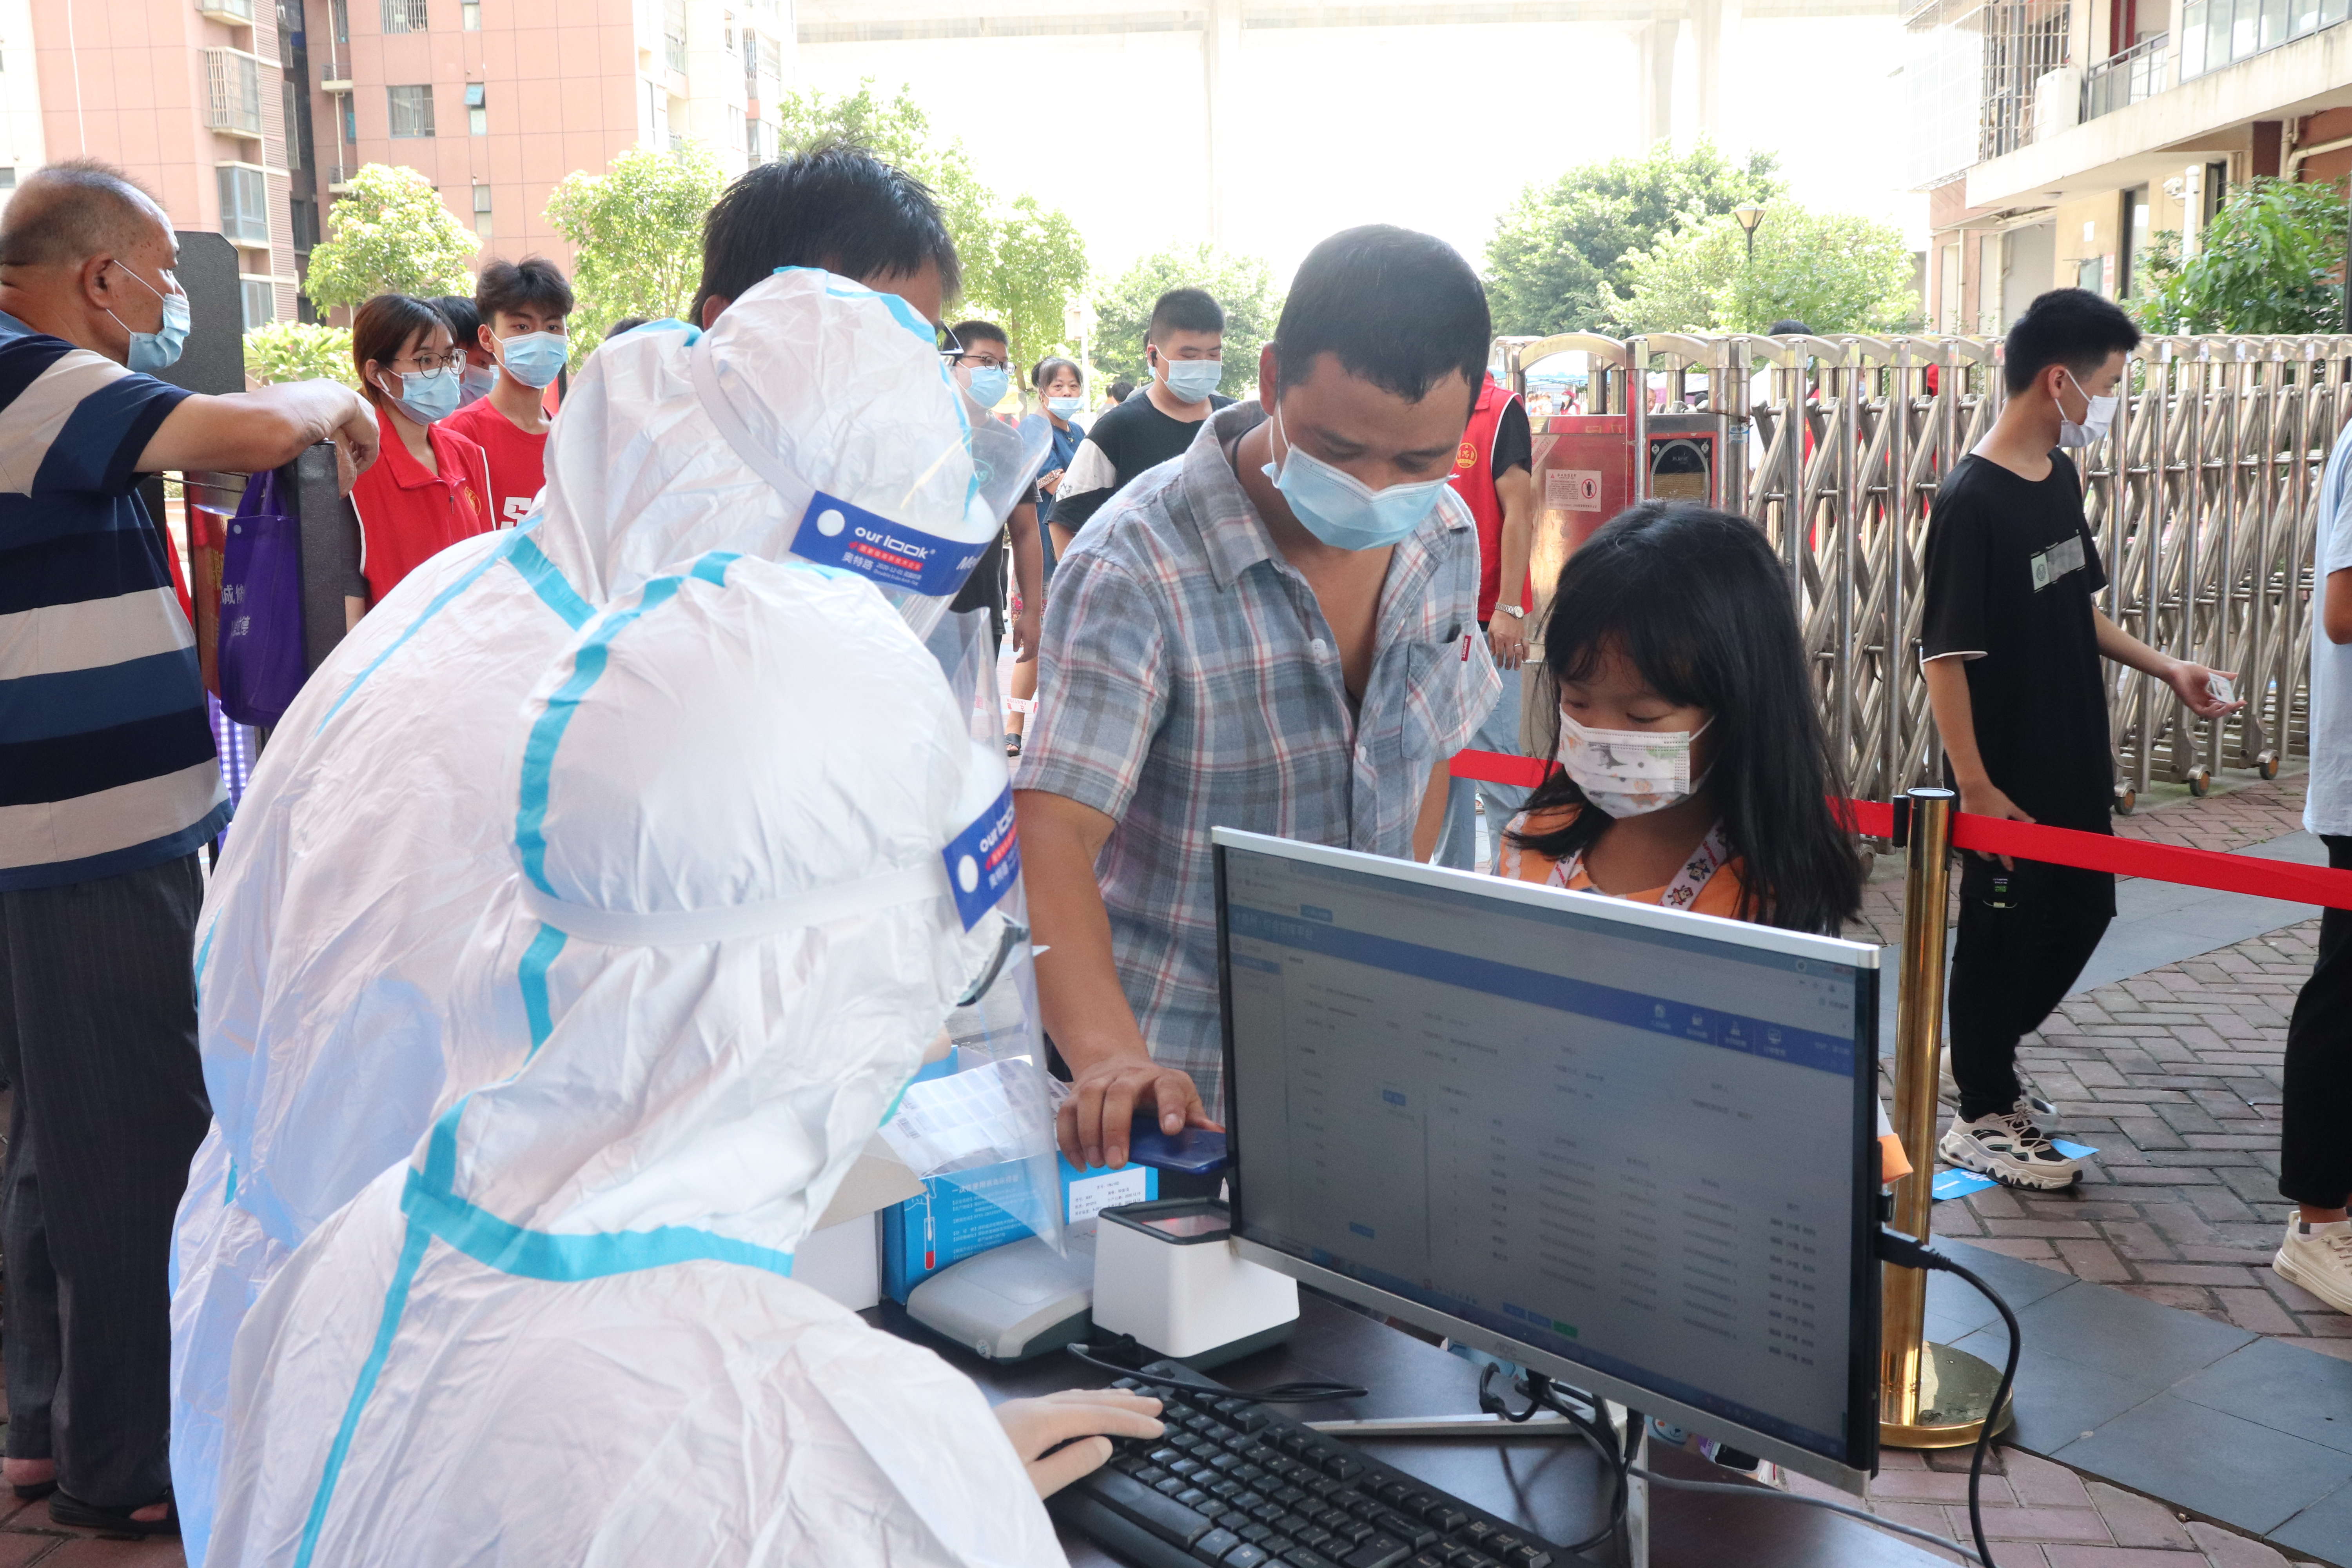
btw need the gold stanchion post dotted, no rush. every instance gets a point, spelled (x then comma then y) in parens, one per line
(1930, 1395)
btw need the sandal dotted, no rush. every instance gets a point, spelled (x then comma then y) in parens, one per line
(1012, 742)
(33, 1491)
(67, 1509)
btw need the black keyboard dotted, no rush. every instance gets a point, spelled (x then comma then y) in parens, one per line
(1232, 1484)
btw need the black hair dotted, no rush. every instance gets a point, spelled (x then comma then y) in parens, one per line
(532, 284)
(1184, 311)
(626, 324)
(1789, 326)
(1051, 366)
(1401, 309)
(836, 206)
(1696, 601)
(2072, 327)
(1121, 390)
(966, 330)
(465, 322)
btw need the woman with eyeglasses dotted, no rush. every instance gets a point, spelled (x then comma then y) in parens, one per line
(432, 488)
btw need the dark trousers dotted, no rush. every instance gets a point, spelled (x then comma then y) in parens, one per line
(2315, 1123)
(2012, 966)
(98, 1032)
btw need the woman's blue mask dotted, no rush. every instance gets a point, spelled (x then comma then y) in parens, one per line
(1342, 511)
(1064, 407)
(988, 385)
(158, 350)
(428, 399)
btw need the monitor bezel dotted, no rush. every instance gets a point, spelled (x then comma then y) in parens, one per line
(1849, 1475)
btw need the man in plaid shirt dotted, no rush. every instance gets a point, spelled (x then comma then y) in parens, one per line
(1275, 631)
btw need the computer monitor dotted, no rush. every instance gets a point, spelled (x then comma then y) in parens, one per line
(1628, 1147)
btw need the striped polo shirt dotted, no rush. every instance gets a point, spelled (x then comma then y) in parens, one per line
(106, 759)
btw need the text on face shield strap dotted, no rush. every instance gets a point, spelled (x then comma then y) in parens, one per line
(835, 532)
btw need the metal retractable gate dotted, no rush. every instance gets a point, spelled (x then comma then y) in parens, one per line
(2203, 499)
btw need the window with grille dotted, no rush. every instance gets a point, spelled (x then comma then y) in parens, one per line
(482, 212)
(404, 15)
(411, 109)
(477, 113)
(343, 21)
(259, 298)
(674, 33)
(233, 91)
(470, 16)
(243, 204)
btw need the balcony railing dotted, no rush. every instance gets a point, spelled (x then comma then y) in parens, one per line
(2120, 81)
(2215, 33)
(233, 91)
(235, 12)
(2024, 41)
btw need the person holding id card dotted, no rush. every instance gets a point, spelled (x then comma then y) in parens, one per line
(2010, 646)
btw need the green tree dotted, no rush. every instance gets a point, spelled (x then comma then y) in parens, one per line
(2272, 261)
(637, 237)
(1836, 272)
(389, 235)
(1242, 284)
(296, 351)
(1023, 261)
(1560, 244)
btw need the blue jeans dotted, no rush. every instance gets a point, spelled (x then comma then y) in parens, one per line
(1458, 845)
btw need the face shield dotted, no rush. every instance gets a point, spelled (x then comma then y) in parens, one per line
(836, 396)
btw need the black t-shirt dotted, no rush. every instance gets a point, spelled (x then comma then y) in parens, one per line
(2010, 571)
(1124, 441)
(1514, 447)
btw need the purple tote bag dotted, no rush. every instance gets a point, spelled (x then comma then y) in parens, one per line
(261, 606)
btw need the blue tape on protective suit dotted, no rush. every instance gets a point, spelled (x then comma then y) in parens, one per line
(984, 860)
(835, 532)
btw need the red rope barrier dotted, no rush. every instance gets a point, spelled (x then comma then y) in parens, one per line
(2034, 841)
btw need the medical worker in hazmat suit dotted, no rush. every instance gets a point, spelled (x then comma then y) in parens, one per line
(565, 1330)
(370, 839)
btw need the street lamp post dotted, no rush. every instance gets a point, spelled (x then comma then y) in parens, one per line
(1748, 216)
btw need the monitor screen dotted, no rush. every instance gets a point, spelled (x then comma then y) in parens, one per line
(1618, 1141)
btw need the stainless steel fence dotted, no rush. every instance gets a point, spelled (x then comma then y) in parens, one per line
(2203, 499)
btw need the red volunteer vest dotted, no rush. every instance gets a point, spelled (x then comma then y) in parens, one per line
(1473, 481)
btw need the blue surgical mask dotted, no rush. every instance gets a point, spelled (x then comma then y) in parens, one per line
(473, 385)
(988, 385)
(428, 399)
(160, 350)
(1192, 380)
(1064, 407)
(534, 359)
(1342, 511)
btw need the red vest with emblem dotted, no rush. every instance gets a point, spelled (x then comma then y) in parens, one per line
(1473, 481)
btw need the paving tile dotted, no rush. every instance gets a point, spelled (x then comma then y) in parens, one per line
(2119, 1557)
(2226, 1549)
(1919, 1486)
(19, 1548)
(2042, 1483)
(2056, 1401)
(2137, 1521)
(2283, 1387)
(92, 1552)
(2324, 1529)
(2209, 1462)
(2038, 1525)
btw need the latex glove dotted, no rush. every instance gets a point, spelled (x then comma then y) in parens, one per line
(1038, 1429)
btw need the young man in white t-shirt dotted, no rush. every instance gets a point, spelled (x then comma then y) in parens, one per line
(2314, 1152)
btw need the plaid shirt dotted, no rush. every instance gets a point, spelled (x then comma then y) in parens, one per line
(1188, 680)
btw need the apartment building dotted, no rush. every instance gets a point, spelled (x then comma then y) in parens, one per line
(498, 100)
(2056, 138)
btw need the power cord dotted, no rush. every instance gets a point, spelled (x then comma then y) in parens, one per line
(1126, 1358)
(1893, 1247)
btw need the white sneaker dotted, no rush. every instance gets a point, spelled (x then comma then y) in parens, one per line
(2010, 1150)
(2033, 1102)
(2319, 1258)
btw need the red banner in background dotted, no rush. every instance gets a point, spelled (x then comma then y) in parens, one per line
(2031, 841)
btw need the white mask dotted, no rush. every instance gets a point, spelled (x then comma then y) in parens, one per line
(1628, 772)
(2098, 413)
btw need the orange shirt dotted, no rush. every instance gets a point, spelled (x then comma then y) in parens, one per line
(409, 514)
(518, 459)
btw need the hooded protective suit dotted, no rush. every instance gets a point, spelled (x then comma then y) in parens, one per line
(371, 836)
(563, 1332)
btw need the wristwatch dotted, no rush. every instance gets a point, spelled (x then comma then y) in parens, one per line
(1513, 611)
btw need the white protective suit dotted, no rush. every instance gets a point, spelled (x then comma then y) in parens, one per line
(372, 836)
(563, 1331)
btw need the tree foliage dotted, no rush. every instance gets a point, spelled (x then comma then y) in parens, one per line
(1242, 284)
(389, 235)
(281, 351)
(1023, 261)
(1836, 272)
(1558, 246)
(636, 236)
(2272, 261)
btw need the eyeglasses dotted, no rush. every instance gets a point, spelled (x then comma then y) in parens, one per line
(430, 364)
(976, 362)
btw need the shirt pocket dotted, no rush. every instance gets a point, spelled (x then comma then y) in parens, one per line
(1412, 684)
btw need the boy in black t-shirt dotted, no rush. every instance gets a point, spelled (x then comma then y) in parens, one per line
(1186, 345)
(2011, 647)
